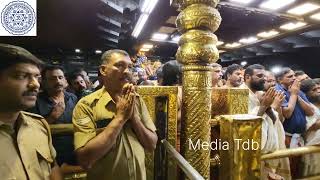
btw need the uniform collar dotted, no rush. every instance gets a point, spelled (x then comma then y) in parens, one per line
(104, 96)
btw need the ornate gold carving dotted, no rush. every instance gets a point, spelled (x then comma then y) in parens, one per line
(149, 94)
(198, 36)
(198, 77)
(191, 53)
(185, 3)
(196, 127)
(240, 162)
(198, 16)
(228, 101)
(197, 22)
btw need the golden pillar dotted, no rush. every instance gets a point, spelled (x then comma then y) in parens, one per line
(197, 22)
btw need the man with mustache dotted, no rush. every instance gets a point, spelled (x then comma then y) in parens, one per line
(295, 108)
(312, 135)
(216, 75)
(25, 139)
(56, 105)
(113, 128)
(272, 137)
(234, 76)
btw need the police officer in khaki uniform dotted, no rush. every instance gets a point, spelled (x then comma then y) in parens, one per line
(112, 125)
(25, 139)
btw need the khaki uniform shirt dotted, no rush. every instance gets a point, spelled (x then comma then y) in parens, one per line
(126, 159)
(27, 153)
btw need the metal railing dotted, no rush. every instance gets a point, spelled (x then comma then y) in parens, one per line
(291, 152)
(190, 172)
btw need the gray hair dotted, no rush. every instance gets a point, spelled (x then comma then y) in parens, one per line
(106, 56)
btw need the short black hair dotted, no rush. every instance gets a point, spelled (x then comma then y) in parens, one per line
(249, 70)
(307, 85)
(78, 70)
(11, 55)
(299, 73)
(107, 55)
(51, 68)
(232, 68)
(72, 76)
(283, 71)
(317, 80)
(172, 73)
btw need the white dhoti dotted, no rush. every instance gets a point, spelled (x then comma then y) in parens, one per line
(272, 139)
(311, 162)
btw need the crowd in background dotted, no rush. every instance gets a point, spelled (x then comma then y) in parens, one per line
(287, 101)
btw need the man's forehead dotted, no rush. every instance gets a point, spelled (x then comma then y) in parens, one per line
(259, 71)
(120, 57)
(25, 67)
(55, 72)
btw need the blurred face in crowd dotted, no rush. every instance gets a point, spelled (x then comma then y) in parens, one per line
(270, 81)
(314, 94)
(78, 84)
(257, 80)
(302, 77)
(287, 79)
(216, 74)
(135, 78)
(235, 78)
(117, 71)
(85, 76)
(55, 81)
(19, 86)
(142, 75)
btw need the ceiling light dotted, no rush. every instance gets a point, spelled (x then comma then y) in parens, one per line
(248, 40)
(219, 43)
(303, 9)
(98, 51)
(159, 36)
(243, 63)
(242, 1)
(141, 21)
(77, 50)
(147, 46)
(148, 6)
(275, 4)
(316, 16)
(144, 49)
(276, 69)
(221, 51)
(267, 34)
(292, 26)
(233, 45)
(176, 39)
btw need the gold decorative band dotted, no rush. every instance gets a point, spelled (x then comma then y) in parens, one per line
(192, 53)
(198, 16)
(198, 36)
(185, 3)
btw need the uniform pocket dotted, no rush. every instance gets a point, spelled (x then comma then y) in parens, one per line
(45, 161)
(45, 154)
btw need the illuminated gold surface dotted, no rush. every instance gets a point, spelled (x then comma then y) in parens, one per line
(240, 164)
(198, 36)
(198, 16)
(228, 101)
(185, 3)
(149, 93)
(197, 53)
(197, 22)
(196, 115)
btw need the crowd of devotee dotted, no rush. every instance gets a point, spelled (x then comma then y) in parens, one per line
(112, 126)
